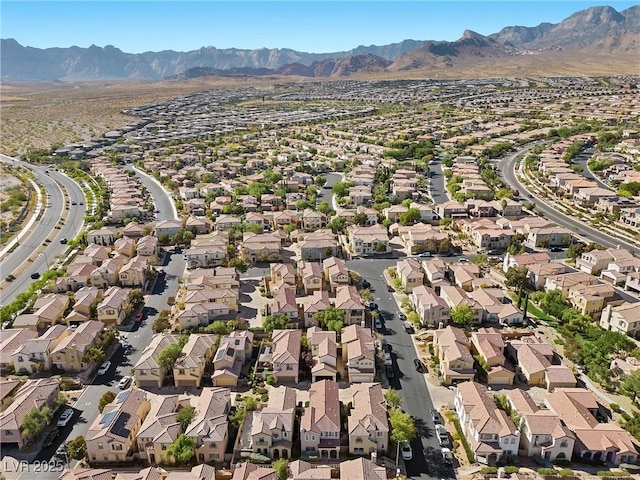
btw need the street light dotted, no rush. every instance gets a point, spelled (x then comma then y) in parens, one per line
(46, 259)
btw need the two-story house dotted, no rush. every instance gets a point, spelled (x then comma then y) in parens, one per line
(431, 308)
(147, 371)
(451, 346)
(490, 432)
(367, 424)
(209, 428)
(410, 273)
(190, 365)
(115, 306)
(272, 428)
(70, 353)
(234, 350)
(285, 356)
(358, 354)
(348, 300)
(320, 422)
(112, 437)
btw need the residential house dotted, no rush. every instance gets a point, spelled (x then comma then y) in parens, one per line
(112, 435)
(362, 469)
(358, 354)
(196, 355)
(281, 274)
(567, 280)
(260, 247)
(367, 424)
(325, 354)
(595, 441)
(115, 306)
(35, 354)
(622, 318)
(251, 471)
(451, 346)
(543, 435)
(272, 428)
(125, 246)
(535, 361)
(209, 428)
(335, 272)
(454, 295)
(595, 261)
(590, 300)
(32, 394)
(135, 272)
(317, 302)
(312, 220)
(410, 274)
(490, 432)
(348, 300)
(71, 353)
(234, 351)
(161, 427)
(301, 470)
(147, 371)
(432, 309)
(10, 340)
(311, 275)
(285, 356)
(86, 300)
(366, 241)
(320, 422)
(285, 304)
(489, 345)
(317, 245)
(168, 228)
(102, 236)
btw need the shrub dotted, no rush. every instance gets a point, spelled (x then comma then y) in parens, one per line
(488, 470)
(626, 416)
(511, 469)
(547, 471)
(566, 472)
(615, 407)
(611, 473)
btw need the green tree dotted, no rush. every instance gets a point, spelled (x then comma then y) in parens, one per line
(168, 356)
(77, 448)
(480, 260)
(106, 399)
(324, 207)
(182, 449)
(380, 247)
(35, 421)
(366, 294)
(516, 277)
(239, 264)
(337, 224)
(275, 322)
(575, 250)
(341, 189)
(462, 315)
(184, 417)
(95, 355)
(281, 466)
(403, 427)
(630, 385)
(360, 218)
(135, 297)
(332, 318)
(250, 404)
(410, 217)
(393, 398)
(553, 303)
(161, 324)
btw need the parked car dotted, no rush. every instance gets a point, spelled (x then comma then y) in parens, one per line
(425, 255)
(49, 439)
(104, 368)
(365, 284)
(390, 288)
(124, 382)
(402, 316)
(387, 359)
(435, 416)
(447, 456)
(139, 317)
(407, 326)
(377, 324)
(419, 365)
(35, 275)
(555, 249)
(388, 369)
(65, 417)
(407, 452)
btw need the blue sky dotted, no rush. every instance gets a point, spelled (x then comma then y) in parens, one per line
(309, 26)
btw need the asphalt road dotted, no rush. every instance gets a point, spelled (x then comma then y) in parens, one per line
(582, 160)
(427, 462)
(507, 167)
(161, 198)
(436, 185)
(55, 205)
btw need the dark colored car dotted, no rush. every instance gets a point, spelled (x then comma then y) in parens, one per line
(35, 275)
(435, 416)
(48, 441)
(556, 249)
(389, 371)
(366, 284)
(390, 288)
(419, 365)
(63, 241)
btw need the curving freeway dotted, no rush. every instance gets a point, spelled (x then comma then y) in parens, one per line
(32, 246)
(507, 167)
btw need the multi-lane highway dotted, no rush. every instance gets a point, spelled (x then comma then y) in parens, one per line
(34, 254)
(507, 167)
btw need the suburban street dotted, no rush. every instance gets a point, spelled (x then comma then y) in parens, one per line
(161, 199)
(436, 182)
(427, 462)
(54, 204)
(507, 167)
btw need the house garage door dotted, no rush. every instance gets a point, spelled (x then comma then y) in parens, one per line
(500, 381)
(360, 379)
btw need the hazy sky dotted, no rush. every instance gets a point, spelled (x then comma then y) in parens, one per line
(309, 26)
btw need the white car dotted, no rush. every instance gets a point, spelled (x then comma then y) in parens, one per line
(65, 418)
(124, 382)
(104, 368)
(407, 452)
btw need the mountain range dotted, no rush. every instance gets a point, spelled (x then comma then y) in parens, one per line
(594, 31)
